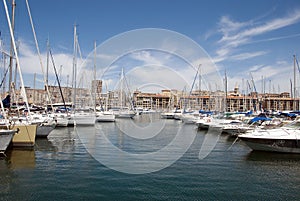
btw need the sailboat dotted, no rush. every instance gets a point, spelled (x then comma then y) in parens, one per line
(84, 117)
(26, 130)
(123, 112)
(101, 115)
(61, 116)
(7, 134)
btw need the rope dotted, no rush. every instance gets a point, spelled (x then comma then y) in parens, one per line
(236, 139)
(39, 54)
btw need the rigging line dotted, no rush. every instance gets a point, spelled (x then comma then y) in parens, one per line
(297, 64)
(61, 93)
(23, 91)
(233, 143)
(192, 86)
(78, 47)
(3, 112)
(39, 54)
(4, 77)
(194, 80)
(130, 97)
(15, 98)
(27, 131)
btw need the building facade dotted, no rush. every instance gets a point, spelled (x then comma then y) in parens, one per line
(165, 100)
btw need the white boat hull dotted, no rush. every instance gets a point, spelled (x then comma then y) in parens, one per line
(44, 130)
(105, 118)
(125, 114)
(235, 130)
(284, 139)
(62, 119)
(167, 115)
(5, 139)
(84, 119)
(273, 145)
(62, 122)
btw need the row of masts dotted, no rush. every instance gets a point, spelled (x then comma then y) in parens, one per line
(14, 53)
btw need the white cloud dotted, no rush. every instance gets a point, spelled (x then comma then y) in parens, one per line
(279, 75)
(235, 34)
(247, 55)
(30, 63)
(147, 58)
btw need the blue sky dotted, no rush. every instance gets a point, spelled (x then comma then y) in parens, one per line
(256, 36)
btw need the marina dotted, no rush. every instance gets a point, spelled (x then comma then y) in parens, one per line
(145, 113)
(62, 164)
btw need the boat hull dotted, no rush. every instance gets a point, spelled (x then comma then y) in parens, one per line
(25, 136)
(235, 131)
(44, 130)
(5, 139)
(62, 122)
(84, 120)
(167, 115)
(62, 119)
(273, 145)
(125, 114)
(105, 118)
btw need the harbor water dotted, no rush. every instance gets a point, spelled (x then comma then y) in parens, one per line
(65, 166)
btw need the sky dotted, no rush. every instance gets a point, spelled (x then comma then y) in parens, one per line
(246, 39)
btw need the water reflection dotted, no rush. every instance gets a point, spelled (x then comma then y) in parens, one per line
(43, 144)
(63, 139)
(20, 159)
(272, 157)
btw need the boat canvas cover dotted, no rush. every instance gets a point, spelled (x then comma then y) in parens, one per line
(257, 119)
(6, 101)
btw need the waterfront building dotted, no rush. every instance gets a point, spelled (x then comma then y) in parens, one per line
(165, 100)
(216, 101)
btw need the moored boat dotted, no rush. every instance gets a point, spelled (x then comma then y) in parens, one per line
(167, 115)
(62, 119)
(125, 114)
(25, 136)
(44, 129)
(82, 118)
(284, 139)
(45, 124)
(5, 138)
(105, 117)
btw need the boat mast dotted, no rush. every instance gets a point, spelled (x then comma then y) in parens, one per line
(95, 77)
(200, 80)
(23, 92)
(47, 65)
(11, 48)
(34, 90)
(226, 92)
(74, 67)
(39, 54)
(121, 89)
(294, 106)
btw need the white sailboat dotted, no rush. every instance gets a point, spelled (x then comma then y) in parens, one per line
(102, 115)
(45, 124)
(105, 117)
(123, 112)
(84, 117)
(26, 131)
(6, 135)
